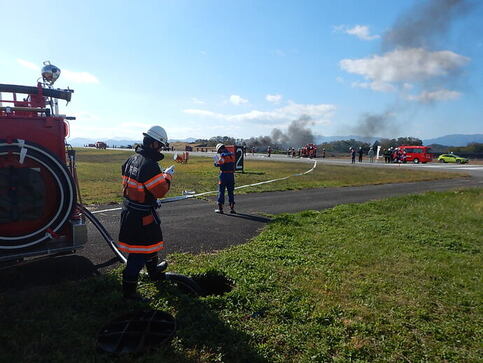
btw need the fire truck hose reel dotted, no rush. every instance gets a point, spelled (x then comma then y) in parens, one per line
(63, 182)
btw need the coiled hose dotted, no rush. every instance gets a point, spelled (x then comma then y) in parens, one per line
(64, 184)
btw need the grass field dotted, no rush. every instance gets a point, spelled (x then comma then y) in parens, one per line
(393, 280)
(99, 175)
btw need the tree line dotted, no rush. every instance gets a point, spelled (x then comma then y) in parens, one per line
(342, 146)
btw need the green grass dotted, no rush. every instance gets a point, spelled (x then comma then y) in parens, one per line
(99, 175)
(393, 280)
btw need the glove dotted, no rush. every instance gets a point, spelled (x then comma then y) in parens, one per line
(169, 170)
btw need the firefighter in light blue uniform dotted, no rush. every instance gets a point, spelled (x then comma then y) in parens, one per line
(225, 160)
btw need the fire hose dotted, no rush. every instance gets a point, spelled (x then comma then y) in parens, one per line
(104, 233)
(184, 282)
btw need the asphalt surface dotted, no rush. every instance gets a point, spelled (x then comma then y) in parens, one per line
(192, 226)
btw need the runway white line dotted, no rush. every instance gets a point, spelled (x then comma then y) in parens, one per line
(183, 197)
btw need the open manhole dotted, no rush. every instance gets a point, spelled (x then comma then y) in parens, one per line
(213, 283)
(136, 332)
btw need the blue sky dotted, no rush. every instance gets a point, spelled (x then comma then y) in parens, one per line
(241, 68)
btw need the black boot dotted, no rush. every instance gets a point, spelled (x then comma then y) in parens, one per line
(155, 269)
(232, 208)
(129, 291)
(220, 208)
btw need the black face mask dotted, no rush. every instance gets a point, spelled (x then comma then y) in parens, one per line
(150, 153)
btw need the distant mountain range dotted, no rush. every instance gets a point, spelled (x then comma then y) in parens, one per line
(81, 141)
(455, 140)
(447, 140)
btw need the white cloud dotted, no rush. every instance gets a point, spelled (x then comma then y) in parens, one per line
(237, 100)
(28, 64)
(407, 86)
(431, 96)
(405, 65)
(273, 98)
(79, 77)
(360, 31)
(319, 113)
(197, 101)
(375, 86)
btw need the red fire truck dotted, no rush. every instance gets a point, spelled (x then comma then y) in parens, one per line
(417, 154)
(101, 145)
(309, 151)
(38, 191)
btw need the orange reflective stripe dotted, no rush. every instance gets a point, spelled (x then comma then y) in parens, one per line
(125, 247)
(154, 178)
(135, 184)
(133, 190)
(155, 182)
(132, 183)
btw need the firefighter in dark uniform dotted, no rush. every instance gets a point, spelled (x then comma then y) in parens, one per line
(140, 234)
(226, 162)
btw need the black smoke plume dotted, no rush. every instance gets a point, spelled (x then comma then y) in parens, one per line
(297, 135)
(426, 24)
(372, 124)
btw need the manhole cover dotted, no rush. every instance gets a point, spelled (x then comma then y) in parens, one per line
(136, 332)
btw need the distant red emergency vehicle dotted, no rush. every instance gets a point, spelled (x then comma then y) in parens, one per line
(417, 154)
(101, 145)
(309, 151)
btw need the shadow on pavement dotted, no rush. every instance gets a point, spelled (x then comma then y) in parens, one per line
(249, 217)
(46, 271)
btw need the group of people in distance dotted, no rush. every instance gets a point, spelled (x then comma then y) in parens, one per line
(360, 152)
(394, 155)
(391, 155)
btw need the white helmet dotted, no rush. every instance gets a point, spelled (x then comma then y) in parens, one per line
(219, 146)
(158, 134)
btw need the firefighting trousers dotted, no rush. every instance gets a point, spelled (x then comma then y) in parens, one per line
(140, 235)
(134, 265)
(227, 181)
